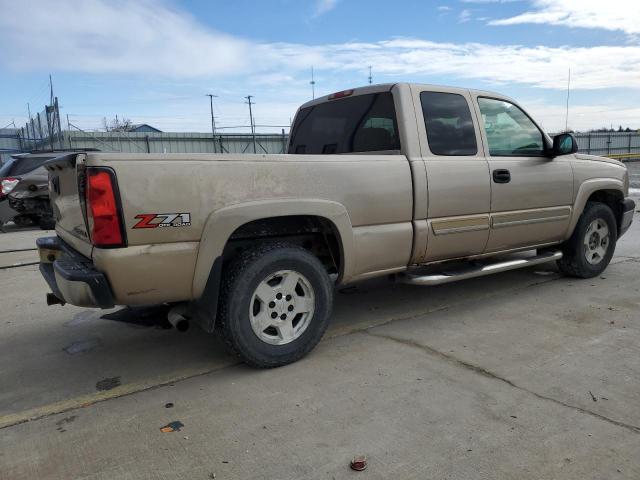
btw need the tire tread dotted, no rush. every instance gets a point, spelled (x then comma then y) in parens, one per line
(571, 263)
(232, 276)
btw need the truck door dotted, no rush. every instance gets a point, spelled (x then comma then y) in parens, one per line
(531, 194)
(457, 173)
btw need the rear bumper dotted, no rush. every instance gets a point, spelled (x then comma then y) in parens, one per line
(628, 207)
(71, 276)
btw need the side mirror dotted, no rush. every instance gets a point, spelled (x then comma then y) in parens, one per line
(564, 144)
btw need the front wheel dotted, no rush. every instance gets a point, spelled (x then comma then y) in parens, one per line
(589, 249)
(275, 304)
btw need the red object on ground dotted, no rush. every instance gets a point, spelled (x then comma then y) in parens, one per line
(359, 463)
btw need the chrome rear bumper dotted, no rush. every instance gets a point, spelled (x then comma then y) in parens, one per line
(72, 277)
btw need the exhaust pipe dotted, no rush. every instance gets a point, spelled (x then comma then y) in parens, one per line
(53, 300)
(178, 319)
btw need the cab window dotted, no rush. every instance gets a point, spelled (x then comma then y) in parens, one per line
(448, 122)
(510, 132)
(363, 123)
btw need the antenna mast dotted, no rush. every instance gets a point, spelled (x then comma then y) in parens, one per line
(313, 86)
(566, 118)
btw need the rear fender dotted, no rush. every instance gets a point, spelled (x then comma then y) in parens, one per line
(222, 223)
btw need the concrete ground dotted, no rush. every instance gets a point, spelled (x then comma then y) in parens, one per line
(526, 375)
(634, 173)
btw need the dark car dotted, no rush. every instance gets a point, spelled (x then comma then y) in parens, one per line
(24, 192)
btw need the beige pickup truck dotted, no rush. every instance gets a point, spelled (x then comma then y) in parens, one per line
(422, 184)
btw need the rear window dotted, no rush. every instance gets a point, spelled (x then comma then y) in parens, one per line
(364, 123)
(5, 168)
(448, 122)
(21, 166)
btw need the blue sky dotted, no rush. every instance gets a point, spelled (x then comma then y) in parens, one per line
(153, 62)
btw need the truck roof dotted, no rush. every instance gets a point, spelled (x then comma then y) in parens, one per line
(385, 87)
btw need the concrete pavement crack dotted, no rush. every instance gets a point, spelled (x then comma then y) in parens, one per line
(489, 374)
(7, 267)
(19, 250)
(43, 412)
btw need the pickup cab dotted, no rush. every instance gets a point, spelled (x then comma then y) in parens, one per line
(422, 184)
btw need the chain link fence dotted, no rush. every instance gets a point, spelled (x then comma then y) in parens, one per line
(620, 145)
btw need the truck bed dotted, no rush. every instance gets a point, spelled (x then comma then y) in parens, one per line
(369, 197)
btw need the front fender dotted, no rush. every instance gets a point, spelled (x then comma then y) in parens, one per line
(586, 189)
(222, 223)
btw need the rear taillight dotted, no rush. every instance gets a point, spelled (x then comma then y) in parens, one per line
(103, 212)
(7, 185)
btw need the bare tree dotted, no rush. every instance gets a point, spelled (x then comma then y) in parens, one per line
(117, 125)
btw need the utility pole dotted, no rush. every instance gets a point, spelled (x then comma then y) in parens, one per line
(313, 86)
(370, 77)
(253, 127)
(213, 121)
(566, 118)
(51, 90)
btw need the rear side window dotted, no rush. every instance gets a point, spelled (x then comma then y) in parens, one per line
(364, 123)
(447, 119)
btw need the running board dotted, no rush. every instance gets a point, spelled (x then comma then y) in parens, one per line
(473, 272)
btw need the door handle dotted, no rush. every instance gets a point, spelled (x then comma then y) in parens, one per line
(500, 175)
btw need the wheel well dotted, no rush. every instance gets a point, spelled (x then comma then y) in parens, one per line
(611, 198)
(316, 234)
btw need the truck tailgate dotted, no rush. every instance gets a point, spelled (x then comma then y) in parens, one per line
(66, 174)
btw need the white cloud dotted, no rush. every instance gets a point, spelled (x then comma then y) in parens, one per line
(324, 6)
(114, 36)
(490, 1)
(117, 37)
(583, 117)
(622, 15)
(444, 8)
(545, 67)
(464, 16)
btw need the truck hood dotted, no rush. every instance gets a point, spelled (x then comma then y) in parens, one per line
(595, 158)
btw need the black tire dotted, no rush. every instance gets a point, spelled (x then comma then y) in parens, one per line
(47, 223)
(574, 261)
(24, 220)
(241, 279)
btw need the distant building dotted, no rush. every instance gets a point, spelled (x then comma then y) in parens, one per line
(143, 128)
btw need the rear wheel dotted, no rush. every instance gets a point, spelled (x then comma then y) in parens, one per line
(25, 220)
(47, 223)
(590, 248)
(275, 304)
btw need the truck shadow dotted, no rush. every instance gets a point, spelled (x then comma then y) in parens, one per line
(81, 353)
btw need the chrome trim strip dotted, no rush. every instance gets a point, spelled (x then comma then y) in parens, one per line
(468, 228)
(513, 223)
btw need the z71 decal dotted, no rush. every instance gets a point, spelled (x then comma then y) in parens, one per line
(155, 220)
